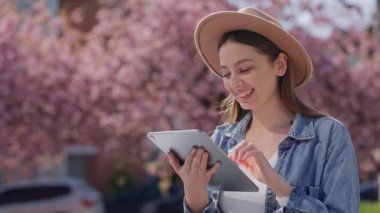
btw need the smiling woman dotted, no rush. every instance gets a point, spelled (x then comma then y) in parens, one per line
(288, 149)
(249, 75)
(266, 64)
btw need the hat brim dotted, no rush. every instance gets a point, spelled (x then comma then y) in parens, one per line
(212, 27)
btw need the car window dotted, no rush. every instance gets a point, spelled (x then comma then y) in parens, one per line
(32, 193)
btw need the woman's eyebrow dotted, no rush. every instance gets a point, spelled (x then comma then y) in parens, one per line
(238, 62)
(243, 60)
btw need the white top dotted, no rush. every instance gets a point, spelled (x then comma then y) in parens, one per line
(242, 202)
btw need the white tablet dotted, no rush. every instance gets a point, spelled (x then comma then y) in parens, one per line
(228, 178)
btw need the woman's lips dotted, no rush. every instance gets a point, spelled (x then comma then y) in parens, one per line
(245, 94)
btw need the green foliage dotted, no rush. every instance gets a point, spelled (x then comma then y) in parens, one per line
(369, 207)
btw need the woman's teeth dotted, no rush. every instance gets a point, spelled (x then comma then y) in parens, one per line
(245, 94)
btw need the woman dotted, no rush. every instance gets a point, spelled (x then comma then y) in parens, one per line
(301, 159)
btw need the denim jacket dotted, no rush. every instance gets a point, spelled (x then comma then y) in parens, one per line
(316, 158)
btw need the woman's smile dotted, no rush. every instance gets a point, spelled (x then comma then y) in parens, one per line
(244, 95)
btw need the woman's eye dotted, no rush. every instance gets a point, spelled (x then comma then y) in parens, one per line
(245, 70)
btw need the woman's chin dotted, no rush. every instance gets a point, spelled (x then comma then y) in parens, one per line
(247, 106)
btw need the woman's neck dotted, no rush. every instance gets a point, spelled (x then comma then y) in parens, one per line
(274, 117)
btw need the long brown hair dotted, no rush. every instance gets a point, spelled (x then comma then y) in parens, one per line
(231, 110)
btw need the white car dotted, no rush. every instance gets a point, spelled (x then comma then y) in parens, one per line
(50, 196)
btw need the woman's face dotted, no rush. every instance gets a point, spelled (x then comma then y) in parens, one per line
(248, 75)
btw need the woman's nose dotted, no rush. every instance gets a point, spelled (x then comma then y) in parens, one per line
(235, 80)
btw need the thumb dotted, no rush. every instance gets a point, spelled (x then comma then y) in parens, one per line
(214, 169)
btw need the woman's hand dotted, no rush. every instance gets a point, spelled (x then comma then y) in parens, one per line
(195, 177)
(254, 160)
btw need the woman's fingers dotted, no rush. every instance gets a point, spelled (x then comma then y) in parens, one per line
(246, 147)
(189, 159)
(197, 159)
(236, 150)
(204, 161)
(213, 169)
(255, 154)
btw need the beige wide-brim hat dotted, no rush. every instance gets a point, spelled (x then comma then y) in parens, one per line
(210, 29)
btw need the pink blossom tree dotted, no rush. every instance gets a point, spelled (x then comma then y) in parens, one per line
(137, 70)
(346, 85)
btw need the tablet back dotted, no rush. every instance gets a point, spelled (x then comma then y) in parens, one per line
(228, 178)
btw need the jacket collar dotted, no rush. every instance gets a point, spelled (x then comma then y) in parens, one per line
(301, 129)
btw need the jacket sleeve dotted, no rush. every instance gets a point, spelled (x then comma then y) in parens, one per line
(339, 190)
(212, 206)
